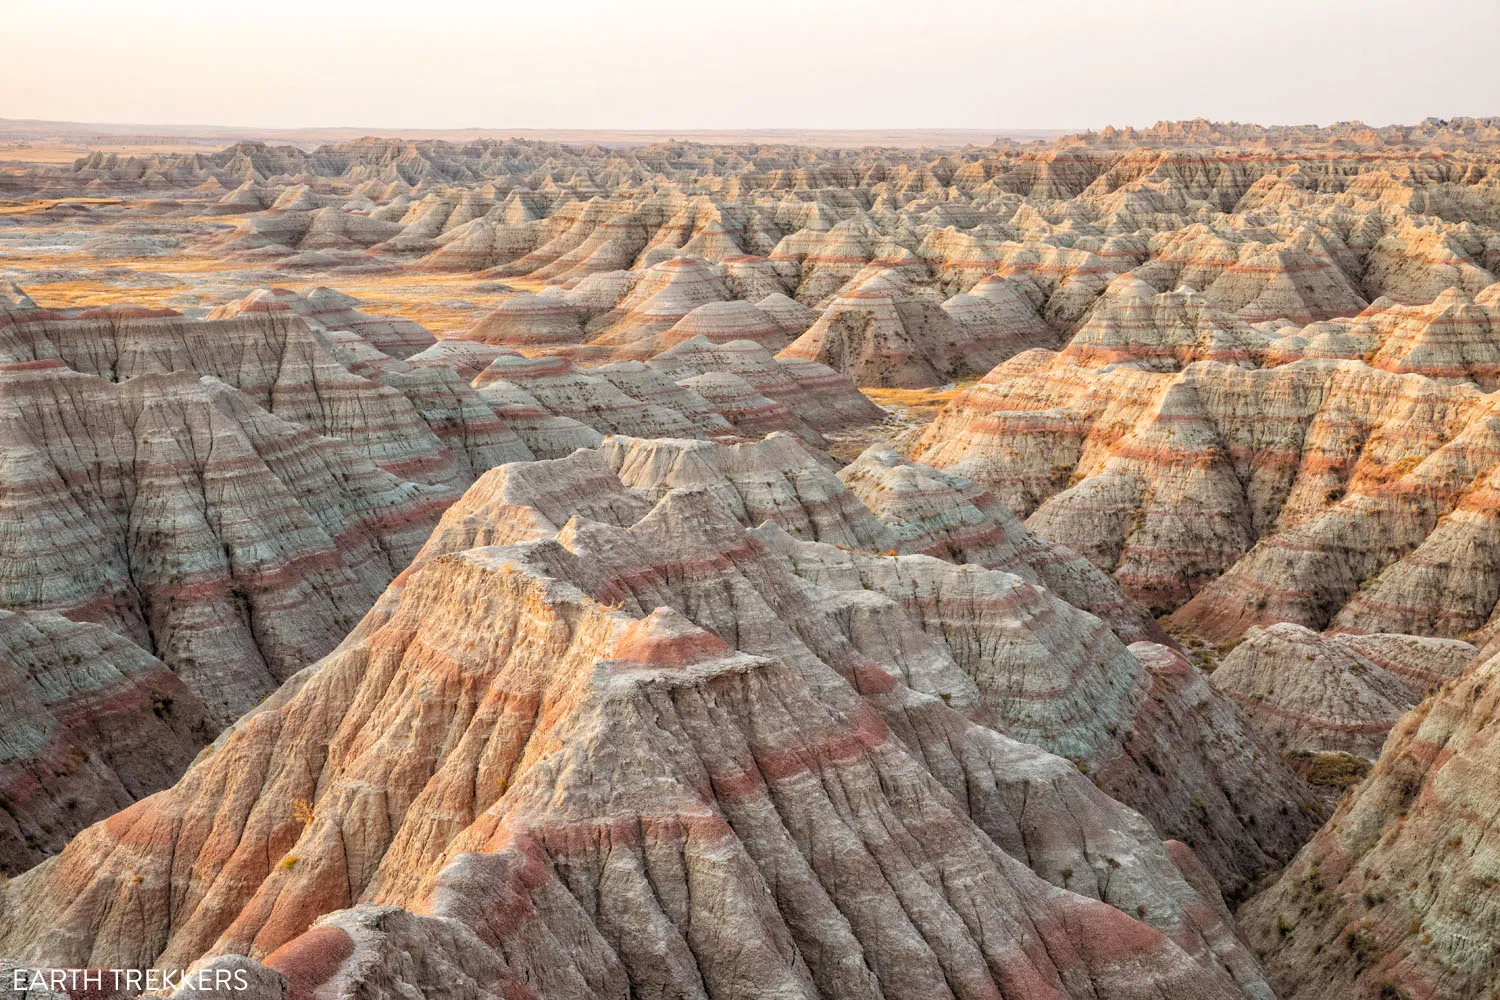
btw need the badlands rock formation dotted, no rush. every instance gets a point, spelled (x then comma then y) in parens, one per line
(417, 422)
(1318, 492)
(697, 389)
(939, 514)
(232, 544)
(1397, 891)
(885, 251)
(591, 739)
(334, 313)
(882, 335)
(1311, 692)
(231, 494)
(1007, 706)
(93, 723)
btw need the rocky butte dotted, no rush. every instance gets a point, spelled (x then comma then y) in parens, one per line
(545, 570)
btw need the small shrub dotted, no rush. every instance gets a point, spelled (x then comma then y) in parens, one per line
(302, 811)
(1363, 946)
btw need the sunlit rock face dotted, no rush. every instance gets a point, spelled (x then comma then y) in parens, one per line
(596, 674)
(478, 569)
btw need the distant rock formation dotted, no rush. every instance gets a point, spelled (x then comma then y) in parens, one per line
(1317, 492)
(554, 651)
(419, 423)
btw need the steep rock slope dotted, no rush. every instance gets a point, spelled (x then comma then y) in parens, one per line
(1045, 672)
(1051, 675)
(419, 423)
(93, 722)
(335, 312)
(235, 546)
(1317, 492)
(880, 334)
(1396, 894)
(939, 514)
(701, 719)
(697, 389)
(1132, 322)
(565, 748)
(825, 399)
(1455, 337)
(1305, 691)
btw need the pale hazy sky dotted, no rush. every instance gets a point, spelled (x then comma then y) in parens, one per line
(664, 64)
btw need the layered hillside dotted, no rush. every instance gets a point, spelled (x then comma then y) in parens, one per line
(93, 723)
(1397, 891)
(335, 313)
(418, 423)
(233, 545)
(1314, 693)
(230, 494)
(901, 267)
(591, 736)
(940, 514)
(557, 648)
(1316, 492)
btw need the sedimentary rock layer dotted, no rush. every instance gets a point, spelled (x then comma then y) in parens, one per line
(686, 713)
(418, 422)
(1317, 492)
(1309, 692)
(93, 722)
(1397, 891)
(235, 546)
(582, 723)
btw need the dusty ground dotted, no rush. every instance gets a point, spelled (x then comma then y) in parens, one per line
(919, 405)
(911, 410)
(48, 259)
(67, 152)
